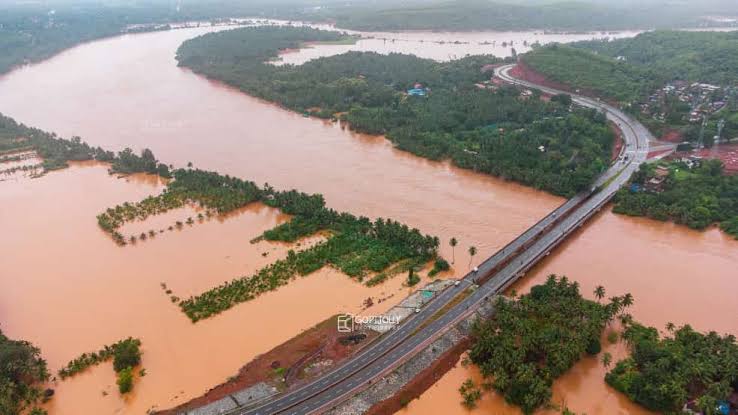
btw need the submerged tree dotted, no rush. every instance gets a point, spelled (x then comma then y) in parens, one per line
(472, 252)
(453, 242)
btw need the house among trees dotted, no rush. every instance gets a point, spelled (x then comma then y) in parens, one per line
(656, 183)
(417, 91)
(692, 161)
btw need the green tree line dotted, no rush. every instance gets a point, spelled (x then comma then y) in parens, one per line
(56, 152)
(355, 245)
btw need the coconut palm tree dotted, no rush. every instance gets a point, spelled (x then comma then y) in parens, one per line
(599, 292)
(627, 300)
(670, 327)
(453, 242)
(472, 252)
(626, 319)
(617, 304)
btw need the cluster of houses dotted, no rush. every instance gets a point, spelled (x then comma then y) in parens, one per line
(703, 99)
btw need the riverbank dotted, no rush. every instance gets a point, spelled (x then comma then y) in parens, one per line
(309, 355)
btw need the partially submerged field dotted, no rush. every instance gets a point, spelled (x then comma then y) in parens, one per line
(124, 285)
(96, 292)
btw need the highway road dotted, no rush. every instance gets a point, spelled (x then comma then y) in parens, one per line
(495, 274)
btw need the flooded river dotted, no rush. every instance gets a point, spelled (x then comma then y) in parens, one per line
(69, 289)
(444, 46)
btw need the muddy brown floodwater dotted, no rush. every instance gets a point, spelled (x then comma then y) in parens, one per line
(66, 287)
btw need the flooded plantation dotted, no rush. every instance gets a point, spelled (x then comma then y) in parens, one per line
(66, 287)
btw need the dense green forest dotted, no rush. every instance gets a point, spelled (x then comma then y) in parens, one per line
(22, 371)
(547, 145)
(56, 151)
(710, 57)
(647, 61)
(500, 15)
(354, 245)
(664, 374)
(532, 340)
(697, 198)
(582, 69)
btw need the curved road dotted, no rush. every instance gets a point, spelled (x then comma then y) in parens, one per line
(495, 274)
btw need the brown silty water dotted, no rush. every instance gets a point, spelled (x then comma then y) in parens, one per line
(65, 286)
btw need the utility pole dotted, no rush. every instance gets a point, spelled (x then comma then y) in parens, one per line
(720, 126)
(701, 142)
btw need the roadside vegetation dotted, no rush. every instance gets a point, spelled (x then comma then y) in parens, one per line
(22, 375)
(697, 197)
(532, 340)
(547, 145)
(599, 74)
(683, 369)
(126, 355)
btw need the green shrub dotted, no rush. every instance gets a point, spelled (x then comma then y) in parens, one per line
(125, 380)
(126, 354)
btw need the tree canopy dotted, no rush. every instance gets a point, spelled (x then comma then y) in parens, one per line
(697, 198)
(22, 371)
(665, 373)
(529, 342)
(462, 15)
(56, 151)
(631, 68)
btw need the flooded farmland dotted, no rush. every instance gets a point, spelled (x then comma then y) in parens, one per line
(65, 286)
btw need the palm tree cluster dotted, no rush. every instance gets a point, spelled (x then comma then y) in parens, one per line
(531, 341)
(685, 368)
(355, 245)
(125, 353)
(210, 190)
(22, 372)
(352, 248)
